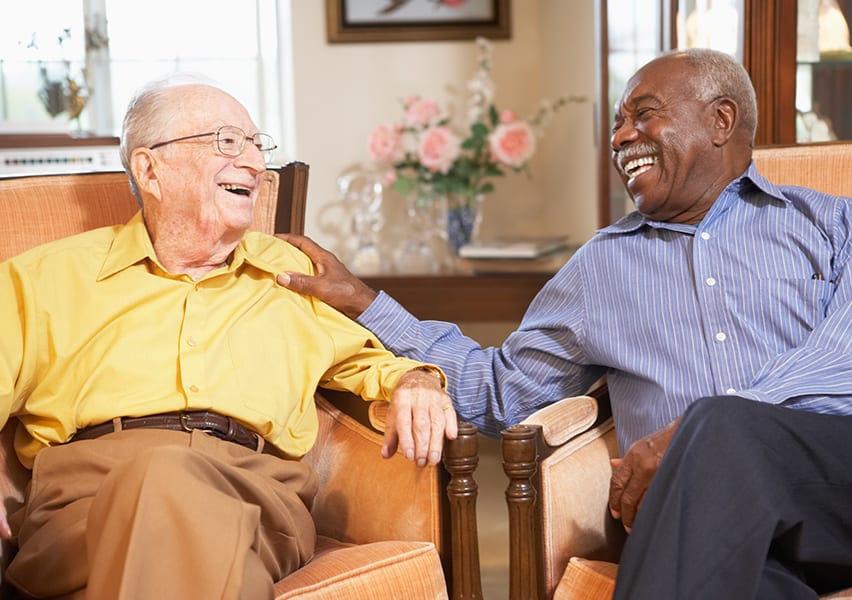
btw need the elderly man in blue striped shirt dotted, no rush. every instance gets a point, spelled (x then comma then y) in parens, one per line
(723, 296)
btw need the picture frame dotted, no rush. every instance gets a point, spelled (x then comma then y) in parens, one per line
(350, 21)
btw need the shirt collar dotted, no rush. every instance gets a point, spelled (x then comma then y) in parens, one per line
(752, 178)
(746, 182)
(132, 245)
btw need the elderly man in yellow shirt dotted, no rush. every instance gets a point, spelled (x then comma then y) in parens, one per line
(115, 341)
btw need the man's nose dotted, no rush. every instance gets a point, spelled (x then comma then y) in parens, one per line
(252, 157)
(625, 134)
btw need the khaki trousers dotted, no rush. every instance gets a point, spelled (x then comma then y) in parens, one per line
(160, 514)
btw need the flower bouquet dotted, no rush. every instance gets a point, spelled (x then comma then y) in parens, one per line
(427, 159)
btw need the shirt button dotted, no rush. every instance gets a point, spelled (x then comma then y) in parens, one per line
(710, 281)
(193, 388)
(721, 337)
(191, 341)
(730, 391)
(705, 236)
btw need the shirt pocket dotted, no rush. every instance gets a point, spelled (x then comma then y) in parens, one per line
(262, 379)
(785, 310)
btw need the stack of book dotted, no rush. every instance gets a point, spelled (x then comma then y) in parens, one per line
(516, 255)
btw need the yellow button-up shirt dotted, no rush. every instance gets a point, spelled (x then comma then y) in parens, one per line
(92, 327)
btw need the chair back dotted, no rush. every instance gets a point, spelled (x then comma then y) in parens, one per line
(42, 208)
(825, 167)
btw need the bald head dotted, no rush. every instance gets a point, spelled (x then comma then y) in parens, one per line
(156, 109)
(713, 74)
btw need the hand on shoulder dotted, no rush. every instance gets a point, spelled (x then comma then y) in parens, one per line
(333, 283)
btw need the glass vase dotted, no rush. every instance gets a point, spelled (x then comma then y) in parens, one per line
(417, 253)
(464, 217)
(362, 191)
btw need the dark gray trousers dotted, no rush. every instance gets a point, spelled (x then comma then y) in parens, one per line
(751, 501)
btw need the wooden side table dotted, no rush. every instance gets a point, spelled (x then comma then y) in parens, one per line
(478, 297)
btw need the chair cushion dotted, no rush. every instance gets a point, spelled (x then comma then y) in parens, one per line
(595, 580)
(586, 580)
(379, 570)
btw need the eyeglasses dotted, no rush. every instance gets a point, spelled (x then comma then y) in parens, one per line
(231, 141)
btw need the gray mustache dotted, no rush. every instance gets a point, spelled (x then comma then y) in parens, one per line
(630, 152)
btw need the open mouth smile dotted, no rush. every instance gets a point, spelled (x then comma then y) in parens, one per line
(635, 167)
(236, 189)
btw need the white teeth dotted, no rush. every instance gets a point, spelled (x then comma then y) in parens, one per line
(235, 188)
(634, 165)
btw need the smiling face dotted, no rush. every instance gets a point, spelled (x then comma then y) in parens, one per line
(197, 201)
(200, 186)
(666, 142)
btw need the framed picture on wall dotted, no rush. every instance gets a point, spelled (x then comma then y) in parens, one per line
(416, 20)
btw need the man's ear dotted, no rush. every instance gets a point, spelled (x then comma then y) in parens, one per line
(726, 116)
(143, 166)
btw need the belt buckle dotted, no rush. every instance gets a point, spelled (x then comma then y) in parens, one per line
(184, 423)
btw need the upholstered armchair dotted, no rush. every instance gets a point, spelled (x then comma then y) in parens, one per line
(386, 528)
(563, 542)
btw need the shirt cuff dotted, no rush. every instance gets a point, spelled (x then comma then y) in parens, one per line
(437, 372)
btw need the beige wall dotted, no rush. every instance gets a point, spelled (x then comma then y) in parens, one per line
(343, 90)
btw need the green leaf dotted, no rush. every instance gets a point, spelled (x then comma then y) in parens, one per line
(404, 185)
(478, 130)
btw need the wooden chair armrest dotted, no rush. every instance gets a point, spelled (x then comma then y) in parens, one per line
(565, 419)
(557, 493)
(365, 498)
(461, 457)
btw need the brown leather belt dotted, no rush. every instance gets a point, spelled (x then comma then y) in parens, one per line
(220, 426)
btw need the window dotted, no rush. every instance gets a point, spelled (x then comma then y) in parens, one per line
(48, 70)
(635, 35)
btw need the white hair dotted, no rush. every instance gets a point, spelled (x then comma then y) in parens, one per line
(148, 115)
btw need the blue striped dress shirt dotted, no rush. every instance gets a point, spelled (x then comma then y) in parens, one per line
(754, 301)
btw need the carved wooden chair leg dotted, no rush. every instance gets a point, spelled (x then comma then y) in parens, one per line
(520, 456)
(461, 457)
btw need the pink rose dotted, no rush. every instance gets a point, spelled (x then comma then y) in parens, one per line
(438, 148)
(507, 116)
(385, 144)
(419, 112)
(512, 144)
